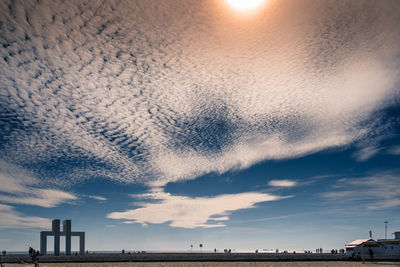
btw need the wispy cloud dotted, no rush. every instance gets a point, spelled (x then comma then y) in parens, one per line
(188, 212)
(366, 153)
(46, 198)
(346, 227)
(394, 150)
(282, 183)
(19, 187)
(100, 198)
(132, 98)
(378, 191)
(10, 219)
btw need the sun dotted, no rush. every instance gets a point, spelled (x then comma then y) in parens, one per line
(245, 4)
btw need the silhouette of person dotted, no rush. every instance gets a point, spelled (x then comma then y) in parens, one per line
(371, 253)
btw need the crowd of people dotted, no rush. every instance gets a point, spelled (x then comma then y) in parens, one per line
(335, 251)
(34, 254)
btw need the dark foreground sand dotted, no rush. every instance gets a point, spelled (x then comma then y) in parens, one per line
(218, 264)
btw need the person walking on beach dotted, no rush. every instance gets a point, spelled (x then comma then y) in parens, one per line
(35, 256)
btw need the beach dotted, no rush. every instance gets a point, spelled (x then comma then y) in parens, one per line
(217, 264)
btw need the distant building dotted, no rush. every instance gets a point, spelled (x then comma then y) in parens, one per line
(380, 247)
(354, 247)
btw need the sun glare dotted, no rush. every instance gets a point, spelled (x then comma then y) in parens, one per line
(245, 4)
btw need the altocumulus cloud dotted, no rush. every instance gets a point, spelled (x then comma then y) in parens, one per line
(188, 212)
(162, 91)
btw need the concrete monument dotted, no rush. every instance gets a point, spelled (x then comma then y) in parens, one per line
(55, 231)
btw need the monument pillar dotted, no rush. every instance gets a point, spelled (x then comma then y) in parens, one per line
(56, 233)
(67, 233)
(43, 243)
(82, 244)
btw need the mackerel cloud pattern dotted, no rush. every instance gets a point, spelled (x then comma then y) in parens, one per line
(160, 91)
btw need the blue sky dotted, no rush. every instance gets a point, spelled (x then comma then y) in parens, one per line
(156, 125)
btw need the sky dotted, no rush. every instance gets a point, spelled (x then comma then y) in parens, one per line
(156, 125)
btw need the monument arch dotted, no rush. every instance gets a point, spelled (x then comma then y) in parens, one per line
(66, 231)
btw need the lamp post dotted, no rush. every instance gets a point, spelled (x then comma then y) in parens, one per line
(386, 222)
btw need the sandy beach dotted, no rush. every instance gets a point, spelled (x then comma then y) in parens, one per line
(217, 264)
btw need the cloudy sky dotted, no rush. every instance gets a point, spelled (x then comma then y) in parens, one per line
(161, 124)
